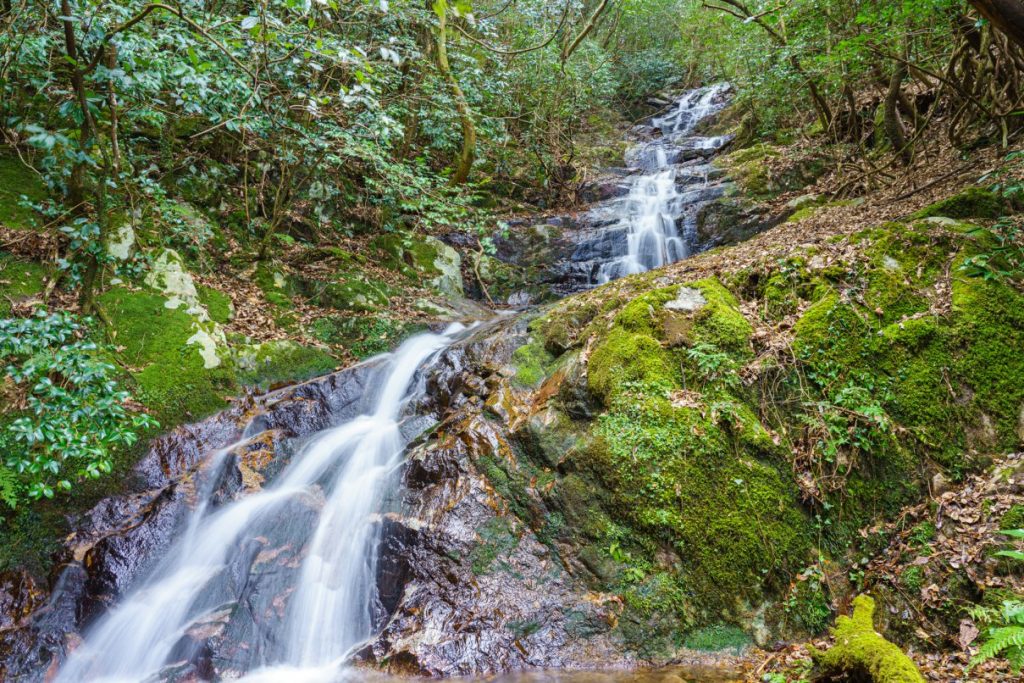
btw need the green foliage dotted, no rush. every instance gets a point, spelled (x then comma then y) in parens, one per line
(71, 413)
(1003, 634)
(807, 601)
(1005, 259)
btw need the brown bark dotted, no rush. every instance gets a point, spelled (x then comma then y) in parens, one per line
(1005, 15)
(893, 126)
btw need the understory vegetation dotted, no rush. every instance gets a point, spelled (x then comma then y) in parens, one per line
(200, 199)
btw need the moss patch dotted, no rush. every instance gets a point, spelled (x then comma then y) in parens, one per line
(19, 280)
(974, 202)
(153, 342)
(17, 181)
(860, 651)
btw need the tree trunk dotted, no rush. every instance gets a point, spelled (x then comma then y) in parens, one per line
(1006, 15)
(468, 153)
(893, 126)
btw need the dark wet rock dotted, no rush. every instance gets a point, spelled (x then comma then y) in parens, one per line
(116, 542)
(481, 594)
(729, 221)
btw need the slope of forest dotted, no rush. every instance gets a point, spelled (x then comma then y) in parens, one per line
(203, 201)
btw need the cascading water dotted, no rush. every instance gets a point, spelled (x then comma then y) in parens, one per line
(325, 500)
(652, 212)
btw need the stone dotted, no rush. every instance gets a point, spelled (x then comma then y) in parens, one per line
(449, 263)
(209, 342)
(687, 300)
(944, 221)
(804, 201)
(940, 484)
(120, 242)
(168, 276)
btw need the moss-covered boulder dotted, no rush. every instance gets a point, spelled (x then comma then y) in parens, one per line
(974, 202)
(426, 260)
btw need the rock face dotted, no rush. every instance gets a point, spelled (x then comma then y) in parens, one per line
(464, 585)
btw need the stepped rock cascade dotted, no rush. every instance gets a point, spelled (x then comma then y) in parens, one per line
(658, 217)
(328, 499)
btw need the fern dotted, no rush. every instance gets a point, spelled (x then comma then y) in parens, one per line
(1005, 641)
(9, 486)
(1005, 637)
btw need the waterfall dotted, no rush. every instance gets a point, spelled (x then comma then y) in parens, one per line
(325, 500)
(654, 213)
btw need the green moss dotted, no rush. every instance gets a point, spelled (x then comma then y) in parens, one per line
(17, 181)
(655, 615)
(624, 357)
(532, 363)
(353, 292)
(153, 339)
(749, 168)
(1012, 518)
(803, 213)
(974, 202)
(278, 290)
(562, 326)
(644, 314)
(860, 651)
(923, 533)
(719, 322)
(734, 522)
(217, 303)
(912, 578)
(406, 254)
(19, 280)
(718, 638)
(989, 330)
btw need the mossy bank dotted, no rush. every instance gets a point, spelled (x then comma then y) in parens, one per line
(704, 447)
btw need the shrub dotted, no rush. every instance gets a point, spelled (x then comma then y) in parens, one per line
(68, 411)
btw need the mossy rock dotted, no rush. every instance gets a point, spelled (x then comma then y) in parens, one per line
(532, 363)
(425, 260)
(154, 345)
(974, 202)
(678, 477)
(271, 363)
(353, 293)
(363, 336)
(861, 652)
(406, 254)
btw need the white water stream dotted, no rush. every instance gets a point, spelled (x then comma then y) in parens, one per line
(654, 205)
(342, 475)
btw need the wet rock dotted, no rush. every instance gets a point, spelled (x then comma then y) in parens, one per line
(729, 221)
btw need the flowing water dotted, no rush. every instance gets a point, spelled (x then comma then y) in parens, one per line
(325, 504)
(658, 215)
(340, 480)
